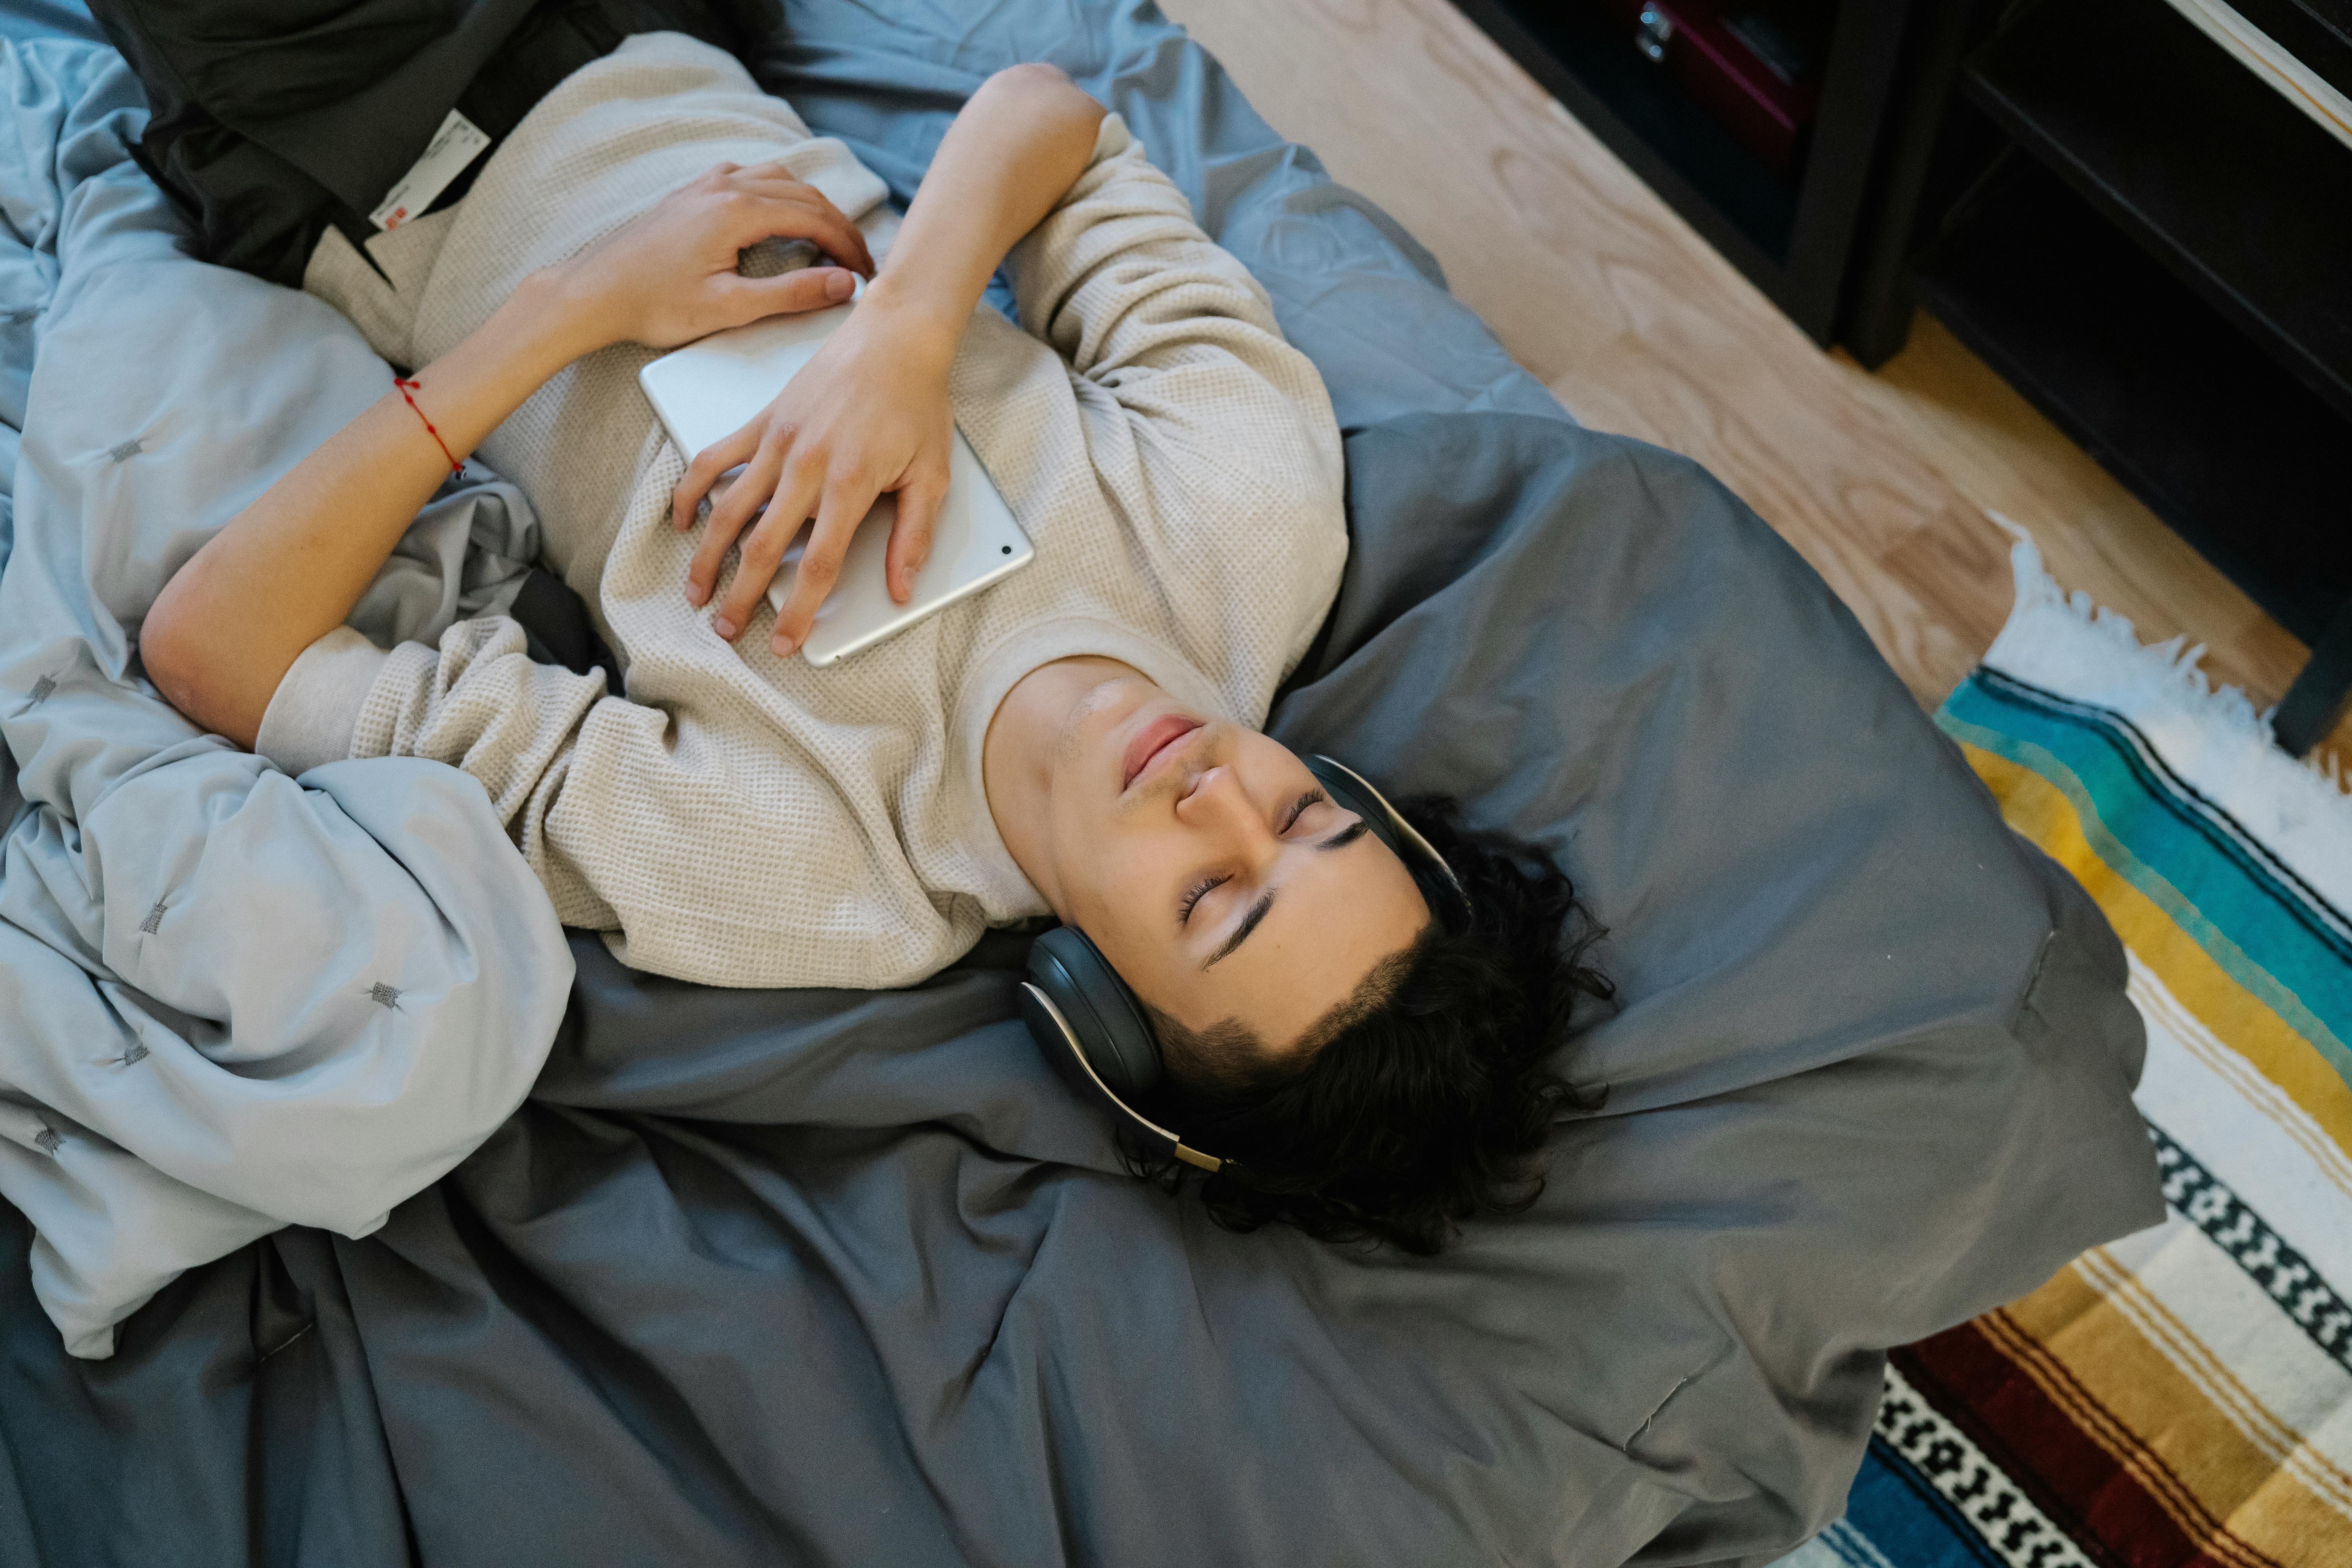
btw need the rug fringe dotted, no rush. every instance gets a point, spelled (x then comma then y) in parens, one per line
(2171, 662)
(2213, 735)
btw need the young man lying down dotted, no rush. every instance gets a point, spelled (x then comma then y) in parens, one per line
(1079, 739)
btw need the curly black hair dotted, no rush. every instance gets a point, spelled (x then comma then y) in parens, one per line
(1430, 1099)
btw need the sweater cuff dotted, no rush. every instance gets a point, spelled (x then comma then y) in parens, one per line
(309, 718)
(1111, 138)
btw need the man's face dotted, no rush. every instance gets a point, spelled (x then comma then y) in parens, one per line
(1204, 861)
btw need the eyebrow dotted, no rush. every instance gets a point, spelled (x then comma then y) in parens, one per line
(1241, 933)
(1257, 914)
(1347, 834)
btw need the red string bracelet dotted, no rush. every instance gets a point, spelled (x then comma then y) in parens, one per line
(405, 387)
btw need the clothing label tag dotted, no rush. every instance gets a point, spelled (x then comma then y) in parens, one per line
(458, 144)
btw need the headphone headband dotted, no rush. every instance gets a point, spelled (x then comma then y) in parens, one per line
(1405, 840)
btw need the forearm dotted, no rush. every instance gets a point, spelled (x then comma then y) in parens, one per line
(1012, 152)
(1121, 278)
(288, 569)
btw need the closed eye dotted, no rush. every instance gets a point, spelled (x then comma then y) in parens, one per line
(1207, 885)
(1194, 894)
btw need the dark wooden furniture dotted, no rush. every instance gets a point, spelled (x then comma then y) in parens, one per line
(2150, 243)
(2141, 235)
(1796, 234)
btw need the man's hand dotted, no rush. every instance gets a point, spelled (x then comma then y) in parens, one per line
(288, 568)
(667, 276)
(867, 415)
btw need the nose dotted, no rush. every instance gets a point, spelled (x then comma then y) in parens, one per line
(1218, 805)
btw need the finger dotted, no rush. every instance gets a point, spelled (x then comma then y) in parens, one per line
(761, 558)
(785, 294)
(858, 258)
(728, 514)
(919, 499)
(842, 239)
(763, 550)
(703, 472)
(772, 169)
(806, 214)
(844, 506)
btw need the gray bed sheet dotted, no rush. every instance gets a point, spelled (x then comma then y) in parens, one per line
(764, 1277)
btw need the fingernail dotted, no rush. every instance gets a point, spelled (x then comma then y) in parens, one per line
(695, 593)
(723, 627)
(840, 286)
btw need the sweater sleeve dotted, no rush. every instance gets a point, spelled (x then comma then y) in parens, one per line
(481, 703)
(1214, 437)
(308, 721)
(706, 844)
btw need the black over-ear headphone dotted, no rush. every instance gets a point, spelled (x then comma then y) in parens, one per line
(1095, 1030)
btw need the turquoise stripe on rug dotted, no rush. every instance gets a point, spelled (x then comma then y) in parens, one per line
(2147, 829)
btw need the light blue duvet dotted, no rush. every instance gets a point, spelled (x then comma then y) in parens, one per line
(229, 1001)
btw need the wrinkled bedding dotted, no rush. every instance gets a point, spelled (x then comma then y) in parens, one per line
(228, 1002)
(834, 1276)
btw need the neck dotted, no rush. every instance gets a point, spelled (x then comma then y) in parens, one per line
(1016, 758)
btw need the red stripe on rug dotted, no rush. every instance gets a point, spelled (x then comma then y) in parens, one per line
(2085, 1490)
(2102, 1425)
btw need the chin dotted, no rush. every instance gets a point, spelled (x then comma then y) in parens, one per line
(1093, 728)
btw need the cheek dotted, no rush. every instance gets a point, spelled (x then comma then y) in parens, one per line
(1100, 868)
(1118, 896)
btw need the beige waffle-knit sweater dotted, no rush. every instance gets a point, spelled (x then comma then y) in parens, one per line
(742, 820)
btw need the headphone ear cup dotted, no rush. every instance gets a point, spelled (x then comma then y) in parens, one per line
(1112, 1027)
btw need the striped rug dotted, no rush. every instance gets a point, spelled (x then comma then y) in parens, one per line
(2183, 1395)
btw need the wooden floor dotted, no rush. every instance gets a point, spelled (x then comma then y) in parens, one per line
(1882, 481)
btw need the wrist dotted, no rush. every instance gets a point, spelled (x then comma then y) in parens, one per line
(924, 324)
(562, 316)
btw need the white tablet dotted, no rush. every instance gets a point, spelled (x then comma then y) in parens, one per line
(708, 390)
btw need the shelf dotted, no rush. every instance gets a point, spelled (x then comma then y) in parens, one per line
(2217, 176)
(1794, 235)
(1587, 59)
(2239, 457)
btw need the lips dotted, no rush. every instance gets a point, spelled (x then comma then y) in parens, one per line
(1154, 739)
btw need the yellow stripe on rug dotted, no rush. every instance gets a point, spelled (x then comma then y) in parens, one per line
(2035, 808)
(2228, 1493)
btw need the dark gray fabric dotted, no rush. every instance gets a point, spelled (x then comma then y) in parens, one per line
(823, 1277)
(271, 124)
